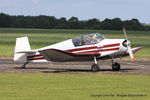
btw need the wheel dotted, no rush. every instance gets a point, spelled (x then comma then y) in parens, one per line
(23, 66)
(116, 66)
(95, 68)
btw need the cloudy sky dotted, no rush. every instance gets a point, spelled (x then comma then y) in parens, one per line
(83, 9)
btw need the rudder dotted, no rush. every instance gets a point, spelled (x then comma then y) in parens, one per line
(22, 44)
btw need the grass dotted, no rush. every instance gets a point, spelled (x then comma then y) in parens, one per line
(43, 37)
(72, 87)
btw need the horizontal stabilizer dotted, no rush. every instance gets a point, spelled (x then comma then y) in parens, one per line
(31, 51)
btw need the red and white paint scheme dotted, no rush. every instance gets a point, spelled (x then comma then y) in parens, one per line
(82, 48)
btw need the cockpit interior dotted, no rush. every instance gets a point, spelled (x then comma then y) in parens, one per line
(88, 39)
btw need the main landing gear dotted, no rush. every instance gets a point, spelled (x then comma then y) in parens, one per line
(115, 65)
(24, 65)
(96, 68)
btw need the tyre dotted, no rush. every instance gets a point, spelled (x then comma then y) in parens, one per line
(23, 66)
(116, 66)
(95, 68)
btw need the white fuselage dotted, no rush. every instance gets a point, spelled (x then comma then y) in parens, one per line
(107, 47)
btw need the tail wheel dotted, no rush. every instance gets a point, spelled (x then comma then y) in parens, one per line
(116, 66)
(24, 65)
(95, 68)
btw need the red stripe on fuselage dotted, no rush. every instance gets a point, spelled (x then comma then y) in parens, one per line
(112, 49)
(41, 58)
(111, 45)
(93, 47)
(79, 49)
(34, 56)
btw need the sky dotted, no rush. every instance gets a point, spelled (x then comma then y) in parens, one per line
(83, 9)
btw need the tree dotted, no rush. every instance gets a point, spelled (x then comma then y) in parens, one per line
(50, 22)
(93, 23)
(62, 23)
(133, 24)
(106, 24)
(4, 20)
(83, 24)
(116, 24)
(112, 24)
(73, 23)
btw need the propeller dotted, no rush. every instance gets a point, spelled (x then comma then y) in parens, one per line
(128, 43)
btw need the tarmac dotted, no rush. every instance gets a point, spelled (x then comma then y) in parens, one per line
(139, 67)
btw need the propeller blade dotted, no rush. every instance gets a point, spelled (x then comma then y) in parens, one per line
(130, 53)
(124, 31)
(128, 45)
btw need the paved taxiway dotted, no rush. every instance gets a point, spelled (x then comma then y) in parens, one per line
(7, 65)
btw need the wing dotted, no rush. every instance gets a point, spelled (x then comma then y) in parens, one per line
(59, 55)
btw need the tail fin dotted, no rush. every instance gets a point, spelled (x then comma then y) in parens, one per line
(22, 44)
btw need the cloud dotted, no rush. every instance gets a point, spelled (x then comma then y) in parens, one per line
(36, 2)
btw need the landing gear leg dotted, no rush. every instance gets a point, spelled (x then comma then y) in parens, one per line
(115, 65)
(95, 67)
(24, 65)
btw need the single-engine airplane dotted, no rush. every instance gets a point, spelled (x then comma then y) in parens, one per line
(82, 48)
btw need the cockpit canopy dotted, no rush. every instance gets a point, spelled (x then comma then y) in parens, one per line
(88, 39)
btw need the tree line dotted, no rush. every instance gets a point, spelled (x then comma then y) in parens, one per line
(51, 22)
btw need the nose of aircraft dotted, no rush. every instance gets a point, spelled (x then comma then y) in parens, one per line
(127, 50)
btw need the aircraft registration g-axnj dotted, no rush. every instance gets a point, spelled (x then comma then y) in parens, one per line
(82, 48)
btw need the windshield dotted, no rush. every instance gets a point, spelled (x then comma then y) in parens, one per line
(88, 39)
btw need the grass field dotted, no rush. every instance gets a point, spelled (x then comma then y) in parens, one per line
(43, 37)
(88, 86)
(73, 87)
